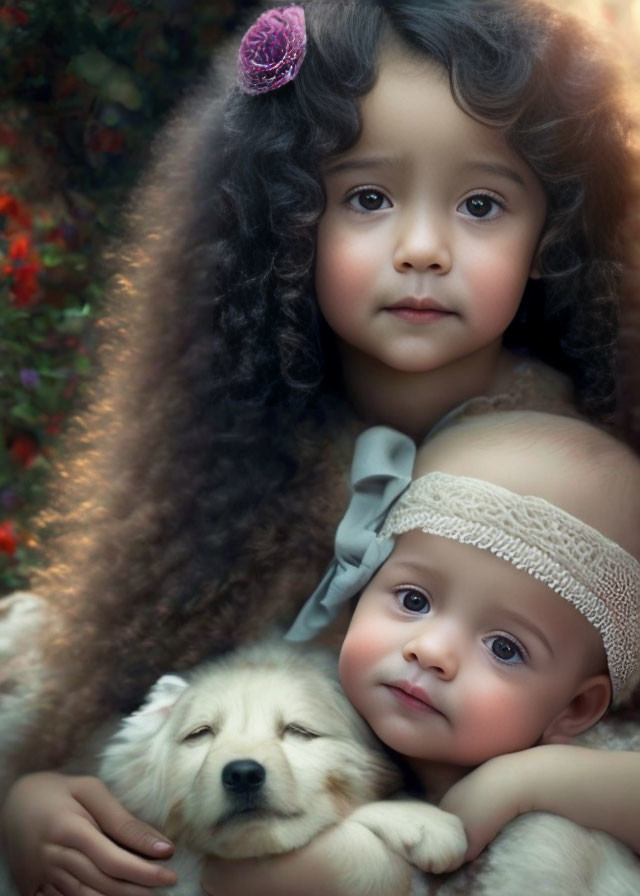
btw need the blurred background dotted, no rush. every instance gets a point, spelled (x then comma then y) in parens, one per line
(84, 85)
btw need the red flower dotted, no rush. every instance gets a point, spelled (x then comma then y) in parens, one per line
(10, 206)
(24, 449)
(13, 15)
(25, 285)
(23, 266)
(8, 540)
(20, 246)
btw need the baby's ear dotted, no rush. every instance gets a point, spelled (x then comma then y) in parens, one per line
(587, 706)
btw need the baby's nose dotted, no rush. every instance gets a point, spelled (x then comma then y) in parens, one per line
(434, 648)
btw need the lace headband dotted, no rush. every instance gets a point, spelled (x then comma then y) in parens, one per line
(590, 571)
(580, 564)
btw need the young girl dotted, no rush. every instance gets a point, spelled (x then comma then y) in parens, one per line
(497, 615)
(382, 212)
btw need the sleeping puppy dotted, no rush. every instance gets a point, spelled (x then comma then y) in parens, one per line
(258, 752)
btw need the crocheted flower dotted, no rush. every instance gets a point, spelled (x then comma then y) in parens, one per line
(272, 50)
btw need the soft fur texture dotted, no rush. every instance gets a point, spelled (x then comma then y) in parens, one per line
(257, 753)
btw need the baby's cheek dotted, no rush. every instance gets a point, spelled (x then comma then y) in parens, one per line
(496, 725)
(358, 654)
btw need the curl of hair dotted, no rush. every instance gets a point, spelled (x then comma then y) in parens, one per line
(200, 489)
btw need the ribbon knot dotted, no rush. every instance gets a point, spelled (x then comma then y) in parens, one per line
(380, 472)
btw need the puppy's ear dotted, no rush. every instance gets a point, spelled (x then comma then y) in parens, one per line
(157, 706)
(132, 763)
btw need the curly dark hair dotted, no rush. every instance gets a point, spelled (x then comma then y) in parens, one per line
(200, 489)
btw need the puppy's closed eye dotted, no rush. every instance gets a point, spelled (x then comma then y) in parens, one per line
(297, 730)
(198, 733)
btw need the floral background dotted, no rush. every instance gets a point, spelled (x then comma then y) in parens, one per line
(84, 85)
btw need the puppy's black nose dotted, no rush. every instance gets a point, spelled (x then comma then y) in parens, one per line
(243, 776)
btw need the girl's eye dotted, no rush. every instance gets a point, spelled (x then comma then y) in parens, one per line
(413, 600)
(505, 649)
(480, 206)
(368, 200)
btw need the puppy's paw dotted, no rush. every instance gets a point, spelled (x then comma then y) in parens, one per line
(438, 844)
(429, 838)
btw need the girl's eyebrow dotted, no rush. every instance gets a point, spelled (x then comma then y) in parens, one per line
(372, 163)
(375, 163)
(499, 169)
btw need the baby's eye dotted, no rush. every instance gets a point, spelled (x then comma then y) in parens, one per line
(413, 600)
(368, 200)
(505, 649)
(480, 206)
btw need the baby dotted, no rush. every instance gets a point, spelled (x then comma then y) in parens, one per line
(497, 617)
(498, 610)
(507, 613)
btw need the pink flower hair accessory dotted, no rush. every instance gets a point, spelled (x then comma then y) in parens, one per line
(272, 50)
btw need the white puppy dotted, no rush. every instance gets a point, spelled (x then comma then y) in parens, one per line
(256, 754)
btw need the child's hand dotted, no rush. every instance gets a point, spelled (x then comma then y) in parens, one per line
(64, 835)
(487, 799)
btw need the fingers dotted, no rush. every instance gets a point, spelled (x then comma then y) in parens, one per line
(116, 822)
(73, 873)
(85, 847)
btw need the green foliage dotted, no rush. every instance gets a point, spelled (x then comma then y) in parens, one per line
(84, 84)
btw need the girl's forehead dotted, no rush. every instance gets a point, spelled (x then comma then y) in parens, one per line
(411, 111)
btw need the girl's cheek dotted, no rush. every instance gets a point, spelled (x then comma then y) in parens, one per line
(341, 270)
(497, 292)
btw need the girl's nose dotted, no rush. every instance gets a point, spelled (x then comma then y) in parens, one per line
(434, 648)
(422, 244)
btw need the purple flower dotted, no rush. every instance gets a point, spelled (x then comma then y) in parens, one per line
(272, 50)
(9, 499)
(29, 378)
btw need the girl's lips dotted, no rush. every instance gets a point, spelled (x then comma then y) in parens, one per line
(416, 310)
(415, 316)
(412, 697)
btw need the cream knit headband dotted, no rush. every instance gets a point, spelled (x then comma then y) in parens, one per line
(580, 564)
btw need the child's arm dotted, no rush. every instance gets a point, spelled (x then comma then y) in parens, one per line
(331, 863)
(595, 788)
(63, 832)
(374, 852)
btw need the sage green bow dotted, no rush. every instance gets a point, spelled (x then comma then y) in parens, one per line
(381, 470)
